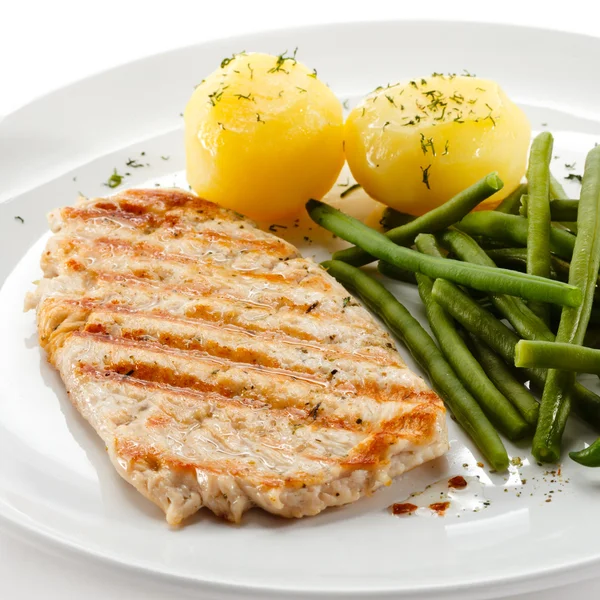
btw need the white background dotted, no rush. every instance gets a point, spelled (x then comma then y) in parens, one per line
(45, 45)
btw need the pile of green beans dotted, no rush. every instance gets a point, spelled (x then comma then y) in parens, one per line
(526, 263)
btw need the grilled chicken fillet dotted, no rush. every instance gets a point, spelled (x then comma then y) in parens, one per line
(219, 367)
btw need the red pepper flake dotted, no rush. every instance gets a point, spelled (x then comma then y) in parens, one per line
(440, 507)
(458, 482)
(405, 508)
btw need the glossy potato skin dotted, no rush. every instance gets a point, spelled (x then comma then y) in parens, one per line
(414, 145)
(263, 135)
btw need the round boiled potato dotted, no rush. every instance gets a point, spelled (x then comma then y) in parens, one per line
(415, 145)
(263, 135)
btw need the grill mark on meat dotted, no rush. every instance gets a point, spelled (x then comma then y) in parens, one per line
(149, 379)
(178, 227)
(146, 366)
(103, 250)
(232, 311)
(69, 306)
(256, 358)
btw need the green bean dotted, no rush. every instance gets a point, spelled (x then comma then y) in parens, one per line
(521, 317)
(397, 273)
(560, 210)
(510, 204)
(485, 279)
(557, 355)
(498, 409)
(570, 226)
(439, 218)
(588, 457)
(557, 192)
(479, 322)
(556, 399)
(515, 258)
(466, 411)
(505, 381)
(392, 218)
(512, 230)
(538, 220)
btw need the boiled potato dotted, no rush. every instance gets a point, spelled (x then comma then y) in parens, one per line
(414, 145)
(263, 135)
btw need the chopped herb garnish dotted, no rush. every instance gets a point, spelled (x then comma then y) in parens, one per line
(259, 119)
(114, 180)
(427, 144)
(363, 112)
(132, 162)
(313, 74)
(426, 176)
(479, 89)
(385, 125)
(301, 90)
(314, 410)
(217, 95)
(346, 104)
(347, 300)
(390, 100)
(248, 96)
(442, 115)
(445, 148)
(345, 184)
(18, 218)
(574, 176)
(130, 373)
(312, 306)
(356, 186)
(570, 167)
(165, 157)
(489, 116)
(275, 226)
(227, 60)
(281, 60)
(251, 71)
(221, 125)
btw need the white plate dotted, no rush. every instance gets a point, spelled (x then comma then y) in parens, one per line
(56, 483)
